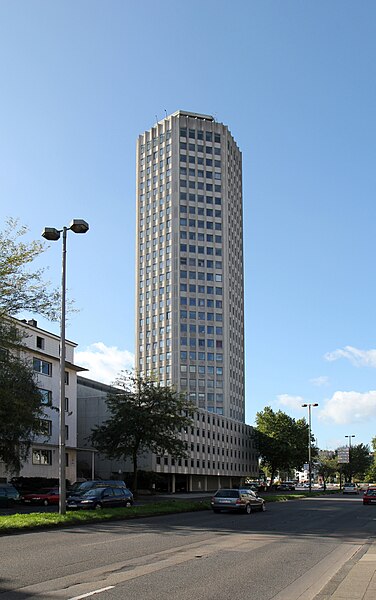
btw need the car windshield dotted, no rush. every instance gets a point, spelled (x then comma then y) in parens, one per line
(371, 492)
(94, 492)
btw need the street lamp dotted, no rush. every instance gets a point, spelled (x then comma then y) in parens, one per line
(309, 441)
(350, 436)
(52, 234)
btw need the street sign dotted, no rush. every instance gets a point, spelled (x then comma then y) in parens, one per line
(343, 455)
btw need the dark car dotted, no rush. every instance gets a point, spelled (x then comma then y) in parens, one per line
(241, 500)
(101, 497)
(45, 497)
(369, 496)
(9, 496)
(77, 489)
(286, 486)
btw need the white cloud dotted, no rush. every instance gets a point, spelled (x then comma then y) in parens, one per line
(359, 358)
(293, 402)
(349, 407)
(319, 381)
(104, 362)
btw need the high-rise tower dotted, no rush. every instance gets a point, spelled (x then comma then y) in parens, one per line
(189, 265)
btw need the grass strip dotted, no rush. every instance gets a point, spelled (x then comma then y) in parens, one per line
(31, 521)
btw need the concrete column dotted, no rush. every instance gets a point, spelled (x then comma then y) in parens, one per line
(173, 483)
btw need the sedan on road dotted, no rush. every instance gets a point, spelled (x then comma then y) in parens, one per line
(350, 488)
(369, 496)
(44, 497)
(98, 498)
(238, 500)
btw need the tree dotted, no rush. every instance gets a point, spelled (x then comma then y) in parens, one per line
(21, 288)
(360, 462)
(282, 441)
(21, 406)
(144, 416)
(371, 471)
(327, 466)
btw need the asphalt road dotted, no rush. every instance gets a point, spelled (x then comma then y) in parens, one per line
(293, 548)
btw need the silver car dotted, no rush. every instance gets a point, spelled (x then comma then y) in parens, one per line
(239, 500)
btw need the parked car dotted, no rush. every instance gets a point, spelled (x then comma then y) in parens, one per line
(9, 496)
(369, 496)
(77, 489)
(286, 486)
(241, 500)
(101, 497)
(350, 488)
(45, 497)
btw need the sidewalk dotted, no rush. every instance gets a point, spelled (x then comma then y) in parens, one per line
(360, 581)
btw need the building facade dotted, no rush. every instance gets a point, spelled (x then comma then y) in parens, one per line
(42, 349)
(189, 284)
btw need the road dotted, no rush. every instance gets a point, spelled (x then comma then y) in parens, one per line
(293, 548)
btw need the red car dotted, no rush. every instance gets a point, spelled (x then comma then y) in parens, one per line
(369, 496)
(45, 497)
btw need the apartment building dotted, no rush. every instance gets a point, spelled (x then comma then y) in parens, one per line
(42, 349)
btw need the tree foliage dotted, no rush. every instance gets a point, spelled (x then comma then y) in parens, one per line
(21, 406)
(144, 416)
(282, 441)
(371, 471)
(21, 288)
(360, 462)
(327, 466)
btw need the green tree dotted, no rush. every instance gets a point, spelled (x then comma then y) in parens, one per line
(327, 466)
(144, 416)
(21, 288)
(360, 462)
(21, 406)
(371, 472)
(282, 441)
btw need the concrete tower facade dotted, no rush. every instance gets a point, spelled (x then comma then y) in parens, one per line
(189, 261)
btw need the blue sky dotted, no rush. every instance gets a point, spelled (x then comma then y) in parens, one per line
(296, 84)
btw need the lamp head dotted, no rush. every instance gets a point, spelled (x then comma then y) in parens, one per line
(79, 226)
(51, 234)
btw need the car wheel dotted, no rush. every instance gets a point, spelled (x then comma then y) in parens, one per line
(263, 507)
(216, 510)
(45, 502)
(98, 506)
(248, 509)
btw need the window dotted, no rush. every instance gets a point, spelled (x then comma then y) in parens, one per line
(66, 404)
(42, 366)
(42, 457)
(46, 427)
(40, 342)
(66, 378)
(46, 397)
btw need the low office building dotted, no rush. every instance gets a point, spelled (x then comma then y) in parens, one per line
(221, 451)
(42, 349)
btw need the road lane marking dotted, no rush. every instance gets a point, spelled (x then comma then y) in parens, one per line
(109, 587)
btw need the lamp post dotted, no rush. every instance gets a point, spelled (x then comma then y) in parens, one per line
(349, 445)
(52, 234)
(309, 442)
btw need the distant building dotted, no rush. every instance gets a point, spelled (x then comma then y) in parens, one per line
(42, 349)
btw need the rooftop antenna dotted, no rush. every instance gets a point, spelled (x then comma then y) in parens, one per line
(165, 113)
(156, 118)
